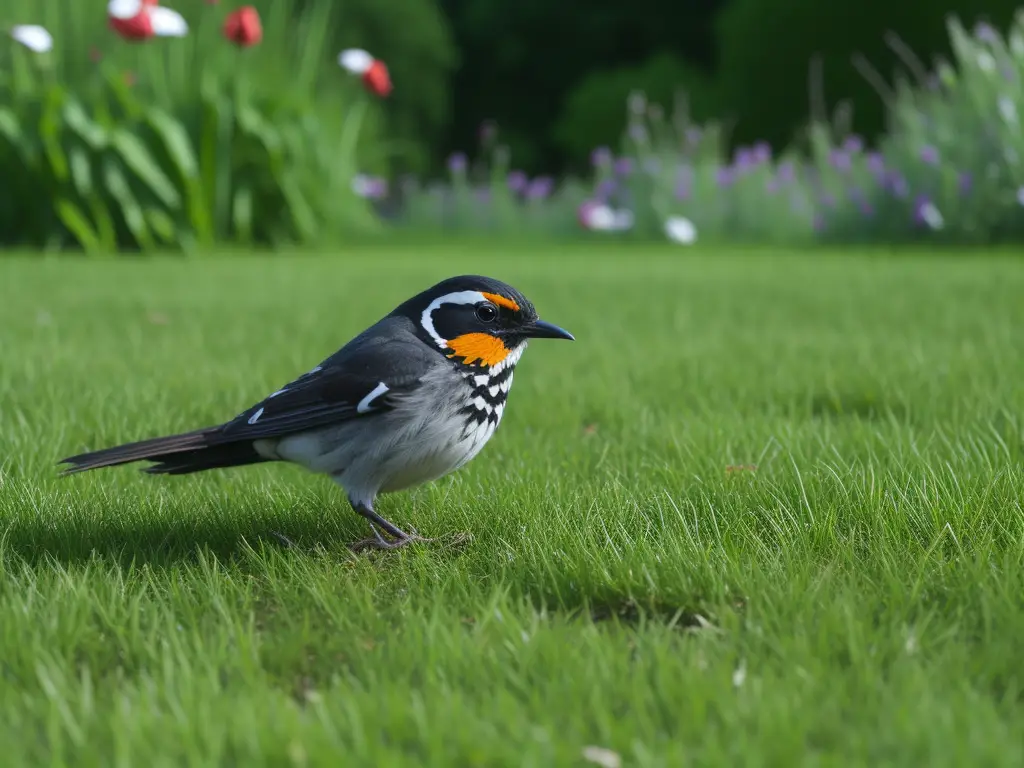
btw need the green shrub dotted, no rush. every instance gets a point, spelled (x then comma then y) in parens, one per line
(594, 113)
(178, 142)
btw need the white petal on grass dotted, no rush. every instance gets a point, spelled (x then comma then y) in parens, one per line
(605, 758)
(355, 60)
(33, 37)
(739, 675)
(124, 9)
(986, 63)
(167, 23)
(681, 230)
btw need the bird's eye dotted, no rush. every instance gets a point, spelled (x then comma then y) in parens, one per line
(487, 313)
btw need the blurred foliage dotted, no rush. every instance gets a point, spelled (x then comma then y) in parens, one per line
(415, 39)
(949, 169)
(178, 142)
(951, 166)
(520, 60)
(594, 114)
(766, 50)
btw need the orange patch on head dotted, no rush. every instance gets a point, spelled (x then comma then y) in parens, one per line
(501, 301)
(478, 347)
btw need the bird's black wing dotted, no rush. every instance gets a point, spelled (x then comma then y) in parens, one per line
(360, 380)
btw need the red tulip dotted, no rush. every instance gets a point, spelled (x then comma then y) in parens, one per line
(374, 72)
(143, 19)
(243, 28)
(377, 79)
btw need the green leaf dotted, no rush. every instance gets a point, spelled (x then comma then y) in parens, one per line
(91, 132)
(138, 159)
(81, 170)
(71, 216)
(241, 212)
(134, 218)
(178, 145)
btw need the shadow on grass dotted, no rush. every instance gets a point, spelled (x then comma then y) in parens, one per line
(858, 405)
(36, 541)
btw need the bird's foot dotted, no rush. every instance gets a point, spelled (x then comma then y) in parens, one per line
(379, 541)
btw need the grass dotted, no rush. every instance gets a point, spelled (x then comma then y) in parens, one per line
(856, 599)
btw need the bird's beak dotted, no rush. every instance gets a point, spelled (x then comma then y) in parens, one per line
(542, 330)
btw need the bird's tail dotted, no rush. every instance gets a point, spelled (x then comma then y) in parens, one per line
(174, 455)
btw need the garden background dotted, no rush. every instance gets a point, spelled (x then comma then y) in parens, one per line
(766, 509)
(753, 120)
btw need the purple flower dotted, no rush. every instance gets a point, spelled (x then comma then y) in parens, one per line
(818, 223)
(786, 172)
(876, 163)
(637, 132)
(693, 136)
(771, 185)
(828, 200)
(929, 154)
(986, 33)
(605, 190)
(601, 157)
(866, 209)
(853, 144)
(964, 183)
(839, 160)
(744, 159)
(896, 184)
(624, 166)
(540, 188)
(517, 182)
(724, 176)
(457, 162)
(762, 152)
(682, 190)
(482, 194)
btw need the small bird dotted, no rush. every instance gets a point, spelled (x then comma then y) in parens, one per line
(410, 399)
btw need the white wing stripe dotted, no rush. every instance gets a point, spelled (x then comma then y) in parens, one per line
(365, 404)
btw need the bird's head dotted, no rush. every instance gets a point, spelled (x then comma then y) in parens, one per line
(477, 321)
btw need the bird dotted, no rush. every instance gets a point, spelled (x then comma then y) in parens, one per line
(411, 399)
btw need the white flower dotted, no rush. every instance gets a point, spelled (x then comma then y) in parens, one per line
(601, 217)
(931, 216)
(986, 63)
(167, 23)
(124, 9)
(681, 230)
(355, 60)
(33, 37)
(1008, 110)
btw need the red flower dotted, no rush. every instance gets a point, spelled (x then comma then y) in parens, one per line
(373, 72)
(143, 19)
(137, 27)
(243, 28)
(376, 78)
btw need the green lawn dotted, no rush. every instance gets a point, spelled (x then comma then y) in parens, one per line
(858, 598)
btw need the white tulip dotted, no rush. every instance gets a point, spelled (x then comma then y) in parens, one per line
(33, 37)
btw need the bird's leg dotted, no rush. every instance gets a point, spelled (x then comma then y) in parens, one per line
(399, 538)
